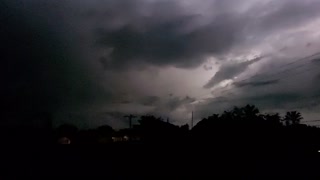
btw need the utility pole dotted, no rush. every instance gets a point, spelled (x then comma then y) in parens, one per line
(130, 117)
(192, 120)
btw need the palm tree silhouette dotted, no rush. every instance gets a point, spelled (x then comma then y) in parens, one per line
(250, 111)
(238, 113)
(293, 118)
(272, 119)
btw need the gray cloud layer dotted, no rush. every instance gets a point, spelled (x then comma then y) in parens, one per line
(63, 56)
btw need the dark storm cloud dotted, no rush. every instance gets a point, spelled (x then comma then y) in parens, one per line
(38, 71)
(171, 36)
(268, 98)
(175, 38)
(165, 106)
(316, 60)
(43, 68)
(256, 83)
(150, 100)
(229, 71)
(286, 14)
(30, 48)
(278, 99)
(164, 44)
(177, 102)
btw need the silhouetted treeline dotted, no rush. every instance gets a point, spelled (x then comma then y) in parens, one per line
(244, 127)
(150, 129)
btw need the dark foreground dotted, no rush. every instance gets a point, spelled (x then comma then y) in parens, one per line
(127, 161)
(239, 144)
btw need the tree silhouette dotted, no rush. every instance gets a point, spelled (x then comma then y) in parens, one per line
(227, 116)
(104, 134)
(238, 113)
(155, 129)
(243, 116)
(293, 118)
(272, 119)
(185, 127)
(105, 130)
(250, 111)
(206, 124)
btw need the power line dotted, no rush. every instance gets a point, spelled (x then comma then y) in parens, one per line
(298, 60)
(224, 92)
(265, 77)
(288, 70)
(312, 121)
(288, 64)
(305, 97)
(192, 120)
(242, 99)
(300, 98)
(272, 75)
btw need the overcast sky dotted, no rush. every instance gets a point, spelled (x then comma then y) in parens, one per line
(91, 62)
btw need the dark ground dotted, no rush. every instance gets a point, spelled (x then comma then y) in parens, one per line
(127, 161)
